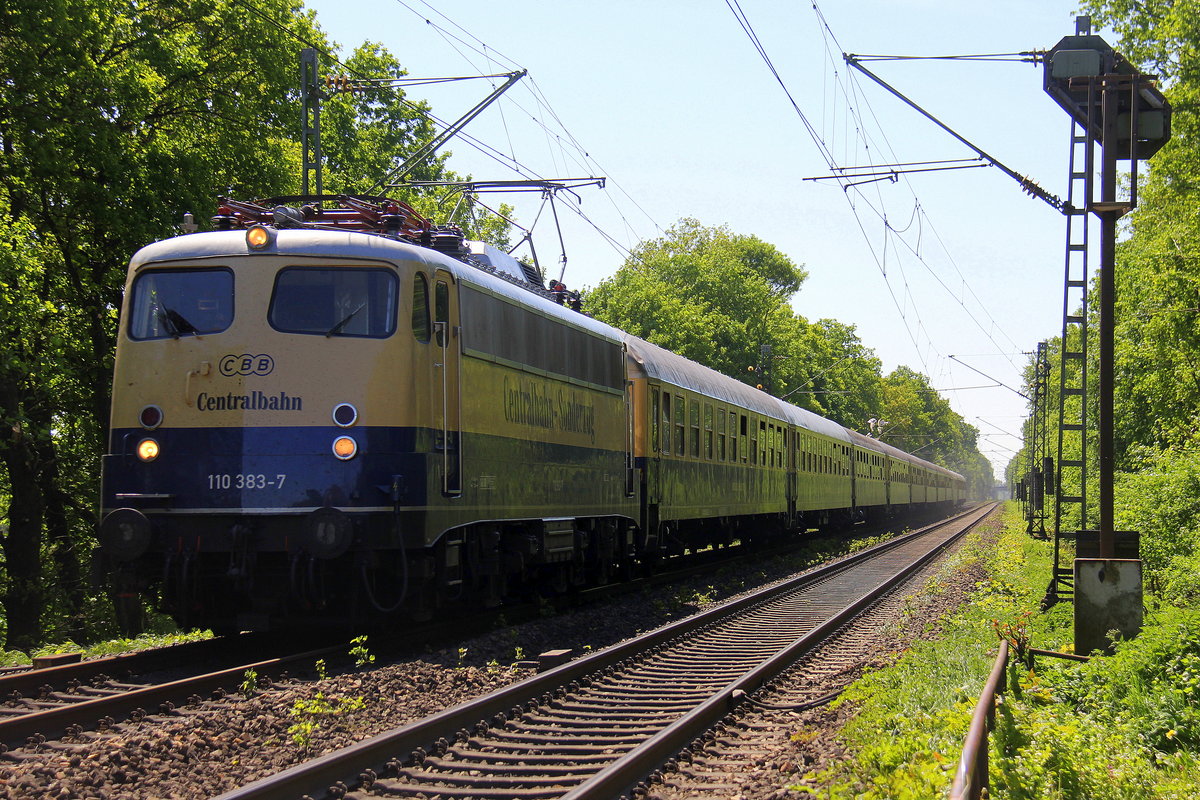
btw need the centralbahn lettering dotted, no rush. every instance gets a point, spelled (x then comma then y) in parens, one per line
(255, 401)
(529, 402)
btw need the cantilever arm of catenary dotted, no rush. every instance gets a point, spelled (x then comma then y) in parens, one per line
(1028, 185)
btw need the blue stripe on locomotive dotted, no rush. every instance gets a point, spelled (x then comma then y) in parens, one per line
(202, 468)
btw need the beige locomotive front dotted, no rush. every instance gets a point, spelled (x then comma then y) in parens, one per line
(327, 372)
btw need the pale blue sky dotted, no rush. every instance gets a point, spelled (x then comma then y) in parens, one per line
(672, 103)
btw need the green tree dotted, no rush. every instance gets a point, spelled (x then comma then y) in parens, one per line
(834, 374)
(706, 293)
(1158, 264)
(921, 421)
(114, 120)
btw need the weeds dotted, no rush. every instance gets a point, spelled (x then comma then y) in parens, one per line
(362, 656)
(249, 685)
(309, 714)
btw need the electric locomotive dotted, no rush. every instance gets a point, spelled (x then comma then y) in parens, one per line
(340, 413)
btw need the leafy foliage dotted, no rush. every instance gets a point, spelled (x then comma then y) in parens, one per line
(115, 119)
(1161, 500)
(706, 293)
(1126, 726)
(310, 714)
(920, 421)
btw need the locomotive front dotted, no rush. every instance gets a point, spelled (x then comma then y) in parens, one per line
(258, 384)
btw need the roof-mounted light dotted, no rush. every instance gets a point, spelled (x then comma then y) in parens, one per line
(259, 237)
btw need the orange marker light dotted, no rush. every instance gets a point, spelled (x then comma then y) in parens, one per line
(344, 447)
(147, 450)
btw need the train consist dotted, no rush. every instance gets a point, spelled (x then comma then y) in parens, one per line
(321, 413)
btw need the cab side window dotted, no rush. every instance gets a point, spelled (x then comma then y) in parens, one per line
(420, 308)
(441, 312)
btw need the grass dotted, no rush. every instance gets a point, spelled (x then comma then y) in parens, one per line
(1124, 727)
(110, 647)
(911, 718)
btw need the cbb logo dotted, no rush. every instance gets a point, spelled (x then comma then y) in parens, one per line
(246, 364)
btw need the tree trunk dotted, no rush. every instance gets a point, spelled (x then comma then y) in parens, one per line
(22, 545)
(64, 549)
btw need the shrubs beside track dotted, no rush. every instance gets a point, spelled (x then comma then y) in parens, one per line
(1124, 726)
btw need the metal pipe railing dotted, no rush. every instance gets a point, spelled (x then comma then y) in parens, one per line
(971, 777)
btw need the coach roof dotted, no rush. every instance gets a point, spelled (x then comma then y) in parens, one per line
(676, 370)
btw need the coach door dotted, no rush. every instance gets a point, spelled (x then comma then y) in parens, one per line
(448, 339)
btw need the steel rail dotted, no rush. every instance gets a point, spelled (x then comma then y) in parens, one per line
(363, 761)
(633, 767)
(158, 658)
(16, 731)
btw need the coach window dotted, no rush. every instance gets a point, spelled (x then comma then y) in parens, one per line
(654, 419)
(708, 431)
(420, 308)
(666, 423)
(721, 431)
(694, 419)
(733, 437)
(680, 425)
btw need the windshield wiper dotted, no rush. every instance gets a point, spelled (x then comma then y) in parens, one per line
(175, 323)
(338, 328)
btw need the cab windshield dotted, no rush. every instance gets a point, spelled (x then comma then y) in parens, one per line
(175, 303)
(338, 301)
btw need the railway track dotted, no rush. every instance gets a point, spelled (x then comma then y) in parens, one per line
(39, 705)
(42, 704)
(597, 726)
